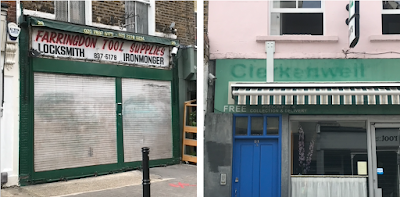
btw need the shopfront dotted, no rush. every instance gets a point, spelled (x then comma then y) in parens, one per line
(323, 128)
(91, 98)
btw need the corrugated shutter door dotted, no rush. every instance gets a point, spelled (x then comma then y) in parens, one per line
(147, 118)
(75, 121)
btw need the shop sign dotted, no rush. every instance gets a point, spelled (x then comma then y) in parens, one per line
(387, 138)
(267, 109)
(79, 46)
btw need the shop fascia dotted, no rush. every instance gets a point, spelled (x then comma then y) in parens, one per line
(61, 44)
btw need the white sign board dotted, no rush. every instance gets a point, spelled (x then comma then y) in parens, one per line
(79, 46)
(352, 30)
(352, 8)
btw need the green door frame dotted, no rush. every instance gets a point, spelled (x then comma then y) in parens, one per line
(29, 65)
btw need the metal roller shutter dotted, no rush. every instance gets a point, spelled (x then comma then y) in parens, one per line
(74, 121)
(147, 120)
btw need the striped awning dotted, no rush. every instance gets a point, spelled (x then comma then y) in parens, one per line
(316, 93)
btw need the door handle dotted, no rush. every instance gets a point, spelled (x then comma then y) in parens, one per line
(237, 180)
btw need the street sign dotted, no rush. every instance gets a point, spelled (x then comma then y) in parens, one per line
(353, 22)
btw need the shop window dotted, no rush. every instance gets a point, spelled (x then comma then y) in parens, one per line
(296, 17)
(330, 154)
(257, 125)
(391, 17)
(328, 148)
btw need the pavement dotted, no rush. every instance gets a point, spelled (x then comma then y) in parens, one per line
(171, 181)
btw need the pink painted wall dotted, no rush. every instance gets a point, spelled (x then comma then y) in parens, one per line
(234, 25)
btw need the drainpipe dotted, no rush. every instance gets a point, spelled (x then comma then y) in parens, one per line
(270, 50)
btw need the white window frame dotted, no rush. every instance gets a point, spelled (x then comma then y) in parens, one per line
(390, 11)
(295, 10)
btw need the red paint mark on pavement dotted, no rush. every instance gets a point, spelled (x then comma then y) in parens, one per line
(181, 185)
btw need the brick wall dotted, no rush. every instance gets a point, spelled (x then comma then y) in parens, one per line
(180, 12)
(113, 13)
(206, 16)
(41, 6)
(11, 14)
(206, 41)
(108, 12)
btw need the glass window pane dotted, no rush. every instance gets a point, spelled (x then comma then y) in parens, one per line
(272, 126)
(241, 126)
(257, 125)
(387, 149)
(391, 4)
(390, 23)
(309, 4)
(329, 148)
(301, 23)
(284, 4)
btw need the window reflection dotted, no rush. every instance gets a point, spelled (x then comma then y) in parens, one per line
(300, 4)
(309, 4)
(241, 126)
(329, 148)
(391, 4)
(284, 4)
(272, 126)
(257, 125)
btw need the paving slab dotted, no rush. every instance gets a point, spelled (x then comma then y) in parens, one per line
(177, 180)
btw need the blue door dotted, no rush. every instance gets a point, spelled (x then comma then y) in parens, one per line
(255, 169)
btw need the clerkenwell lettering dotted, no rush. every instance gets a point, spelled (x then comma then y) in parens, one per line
(80, 46)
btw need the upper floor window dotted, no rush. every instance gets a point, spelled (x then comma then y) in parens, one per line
(296, 17)
(136, 14)
(131, 15)
(391, 17)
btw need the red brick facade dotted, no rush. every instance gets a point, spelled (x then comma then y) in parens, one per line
(11, 14)
(113, 13)
(180, 12)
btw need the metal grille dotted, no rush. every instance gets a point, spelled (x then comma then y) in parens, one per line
(147, 118)
(74, 121)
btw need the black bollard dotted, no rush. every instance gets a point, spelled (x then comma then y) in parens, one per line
(146, 173)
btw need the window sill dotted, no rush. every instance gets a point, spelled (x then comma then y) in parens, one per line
(384, 38)
(330, 176)
(298, 38)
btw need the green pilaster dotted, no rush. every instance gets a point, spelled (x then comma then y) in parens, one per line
(120, 125)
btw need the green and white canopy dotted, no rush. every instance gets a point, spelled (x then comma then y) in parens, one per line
(316, 93)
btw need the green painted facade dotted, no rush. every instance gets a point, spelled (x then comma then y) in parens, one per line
(304, 70)
(29, 65)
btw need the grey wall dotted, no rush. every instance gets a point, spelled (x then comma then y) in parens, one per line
(285, 166)
(211, 88)
(217, 154)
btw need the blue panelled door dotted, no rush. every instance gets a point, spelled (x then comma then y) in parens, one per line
(256, 170)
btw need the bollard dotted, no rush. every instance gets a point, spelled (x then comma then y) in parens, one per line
(146, 173)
